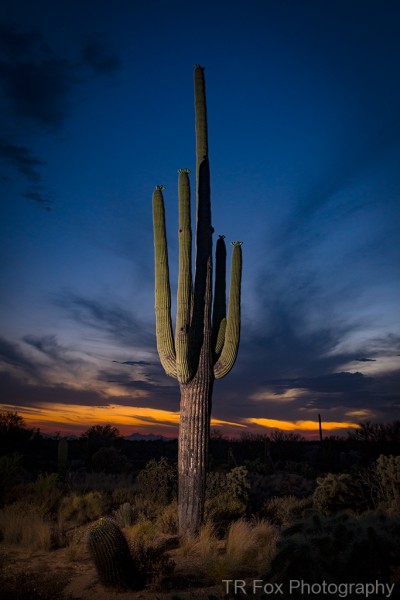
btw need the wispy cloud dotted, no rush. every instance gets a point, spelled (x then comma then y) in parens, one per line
(35, 88)
(107, 317)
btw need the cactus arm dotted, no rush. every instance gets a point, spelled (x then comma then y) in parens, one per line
(232, 336)
(219, 308)
(184, 294)
(219, 343)
(164, 333)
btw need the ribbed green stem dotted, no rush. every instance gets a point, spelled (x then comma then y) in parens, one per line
(164, 333)
(219, 308)
(184, 294)
(232, 334)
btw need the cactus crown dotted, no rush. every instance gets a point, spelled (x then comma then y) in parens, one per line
(204, 333)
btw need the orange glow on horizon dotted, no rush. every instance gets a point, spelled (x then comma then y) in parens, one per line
(302, 425)
(75, 418)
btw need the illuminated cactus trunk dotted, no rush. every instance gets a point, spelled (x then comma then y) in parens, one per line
(206, 340)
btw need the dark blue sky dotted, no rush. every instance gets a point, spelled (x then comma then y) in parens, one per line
(97, 109)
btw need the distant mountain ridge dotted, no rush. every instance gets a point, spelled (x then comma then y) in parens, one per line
(143, 437)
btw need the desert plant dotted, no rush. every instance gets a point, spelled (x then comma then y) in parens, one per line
(167, 519)
(78, 510)
(124, 515)
(62, 456)
(123, 494)
(158, 481)
(109, 460)
(388, 471)
(111, 555)
(10, 467)
(335, 492)
(149, 552)
(25, 525)
(248, 548)
(44, 493)
(226, 496)
(339, 548)
(206, 342)
(284, 510)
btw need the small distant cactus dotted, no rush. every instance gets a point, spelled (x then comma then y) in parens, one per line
(127, 514)
(388, 470)
(111, 555)
(62, 456)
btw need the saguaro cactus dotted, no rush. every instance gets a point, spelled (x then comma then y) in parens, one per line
(206, 340)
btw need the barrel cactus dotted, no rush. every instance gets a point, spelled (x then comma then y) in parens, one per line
(111, 555)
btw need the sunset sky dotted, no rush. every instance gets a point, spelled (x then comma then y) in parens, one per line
(97, 109)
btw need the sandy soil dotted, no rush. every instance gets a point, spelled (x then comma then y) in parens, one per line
(84, 584)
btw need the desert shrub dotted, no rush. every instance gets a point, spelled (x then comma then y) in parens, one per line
(77, 510)
(25, 525)
(44, 493)
(82, 482)
(109, 460)
(226, 496)
(340, 548)
(281, 483)
(336, 492)
(158, 481)
(284, 510)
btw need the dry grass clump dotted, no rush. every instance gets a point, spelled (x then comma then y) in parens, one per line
(78, 510)
(167, 519)
(25, 525)
(284, 510)
(248, 549)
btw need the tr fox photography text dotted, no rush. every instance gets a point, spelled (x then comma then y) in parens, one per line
(299, 586)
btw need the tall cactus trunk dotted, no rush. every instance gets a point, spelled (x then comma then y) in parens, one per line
(206, 340)
(194, 432)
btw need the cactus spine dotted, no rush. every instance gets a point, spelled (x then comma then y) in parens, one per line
(206, 340)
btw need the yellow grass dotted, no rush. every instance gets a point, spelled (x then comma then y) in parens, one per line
(23, 525)
(247, 550)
